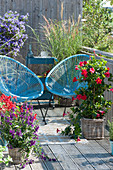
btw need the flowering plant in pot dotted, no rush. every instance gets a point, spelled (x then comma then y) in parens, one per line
(19, 126)
(92, 103)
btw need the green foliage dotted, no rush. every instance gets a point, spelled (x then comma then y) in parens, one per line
(93, 75)
(96, 26)
(2, 159)
(110, 130)
(62, 38)
(90, 93)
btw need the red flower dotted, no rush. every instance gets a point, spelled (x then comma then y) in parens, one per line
(64, 114)
(14, 97)
(79, 96)
(111, 90)
(107, 74)
(76, 68)
(78, 139)
(73, 98)
(98, 80)
(92, 70)
(81, 63)
(85, 62)
(75, 79)
(58, 130)
(84, 97)
(84, 72)
(108, 68)
(35, 116)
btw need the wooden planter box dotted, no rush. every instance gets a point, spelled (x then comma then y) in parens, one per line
(92, 128)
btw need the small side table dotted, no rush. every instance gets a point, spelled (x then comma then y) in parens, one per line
(30, 59)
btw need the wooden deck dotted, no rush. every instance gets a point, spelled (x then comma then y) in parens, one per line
(95, 154)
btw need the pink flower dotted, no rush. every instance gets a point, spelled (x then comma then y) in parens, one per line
(85, 62)
(92, 70)
(81, 63)
(98, 115)
(78, 139)
(76, 68)
(75, 79)
(84, 97)
(107, 74)
(64, 114)
(84, 72)
(102, 112)
(98, 80)
(79, 96)
(111, 90)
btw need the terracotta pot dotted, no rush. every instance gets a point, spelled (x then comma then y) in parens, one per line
(16, 155)
(92, 128)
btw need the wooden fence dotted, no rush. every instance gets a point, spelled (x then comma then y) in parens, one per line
(38, 8)
(109, 58)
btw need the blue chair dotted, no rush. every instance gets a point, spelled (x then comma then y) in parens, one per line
(17, 80)
(59, 80)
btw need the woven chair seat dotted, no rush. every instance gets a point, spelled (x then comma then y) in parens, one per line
(19, 81)
(59, 80)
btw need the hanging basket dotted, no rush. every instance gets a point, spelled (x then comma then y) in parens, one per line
(92, 128)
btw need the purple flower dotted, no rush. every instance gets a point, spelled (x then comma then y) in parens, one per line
(32, 143)
(12, 132)
(23, 166)
(19, 133)
(31, 161)
(36, 129)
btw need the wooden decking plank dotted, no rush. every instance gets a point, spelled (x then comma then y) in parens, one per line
(38, 164)
(102, 153)
(93, 158)
(63, 157)
(77, 157)
(105, 144)
(51, 164)
(10, 167)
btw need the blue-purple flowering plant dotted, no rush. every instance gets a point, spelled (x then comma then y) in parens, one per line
(19, 127)
(12, 33)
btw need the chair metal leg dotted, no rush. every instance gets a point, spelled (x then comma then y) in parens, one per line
(43, 114)
(65, 106)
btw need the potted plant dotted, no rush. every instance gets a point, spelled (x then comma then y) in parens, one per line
(92, 103)
(111, 135)
(19, 126)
